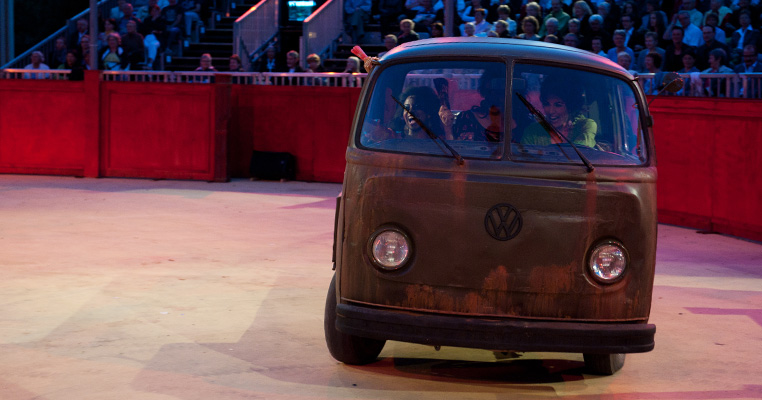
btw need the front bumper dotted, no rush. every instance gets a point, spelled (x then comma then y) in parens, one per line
(495, 334)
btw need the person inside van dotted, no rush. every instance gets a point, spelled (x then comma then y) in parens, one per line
(562, 108)
(423, 103)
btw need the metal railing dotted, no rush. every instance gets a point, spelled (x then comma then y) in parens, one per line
(327, 79)
(47, 45)
(255, 29)
(21, 73)
(320, 30)
(710, 85)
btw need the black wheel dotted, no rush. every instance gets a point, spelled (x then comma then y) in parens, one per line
(604, 364)
(348, 349)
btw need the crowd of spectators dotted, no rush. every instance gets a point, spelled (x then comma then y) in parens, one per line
(132, 36)
(644, 36)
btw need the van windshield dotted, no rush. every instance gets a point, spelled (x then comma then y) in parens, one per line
(462, 102)
(598, 113)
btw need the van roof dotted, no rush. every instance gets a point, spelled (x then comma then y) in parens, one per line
(515, 48)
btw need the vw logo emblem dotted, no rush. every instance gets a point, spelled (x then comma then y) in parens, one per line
(503, 222)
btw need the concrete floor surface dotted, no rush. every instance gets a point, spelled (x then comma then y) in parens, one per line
(140, 289)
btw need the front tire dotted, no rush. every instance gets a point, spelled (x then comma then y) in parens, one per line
(604, 364)
(348, 349)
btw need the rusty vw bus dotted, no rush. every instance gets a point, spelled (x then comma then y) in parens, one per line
(499, 194)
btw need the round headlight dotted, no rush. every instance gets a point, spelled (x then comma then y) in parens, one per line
(390, 249)
(608, 262)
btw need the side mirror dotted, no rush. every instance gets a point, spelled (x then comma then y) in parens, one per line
(674, 82)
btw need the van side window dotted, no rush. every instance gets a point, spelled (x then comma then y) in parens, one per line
(598, 113)
(461, 102)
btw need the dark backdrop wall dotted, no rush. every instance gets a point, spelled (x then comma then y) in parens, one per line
(35, 20)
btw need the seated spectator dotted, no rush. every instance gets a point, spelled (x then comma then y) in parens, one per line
(714, 21)
(74, 64)
(651, 40)
(493, 11)
(597, 47)
(390, 41)
(269, 62)
(173, 14)
(205, 64)
(112, 56)
(571, 40)
(134, 49)
(481, 26)
(153, 29)
(469, 30)
(692, 35)
(437, 31)
(353, 65)
(745, 35)
(313, 63)
(83, 28)
(625, 61)
(613, 53)
(739, 7)
(356, 15)
(557, 13)
(58, 55)
(550, 27)
(529, 25)
(39, 64)
(702, 53)
(717, 7)
(551, 39)
(674, 53)
(750, 60)
(191, 9)
(407, 32)
(235, 64)
(689, 63)
(292, 63)
(596, 30)
(633, 38)
(121, 24)
(716, 87)
(84, 53)
(501, 29)
(652, 66)
(109, 27)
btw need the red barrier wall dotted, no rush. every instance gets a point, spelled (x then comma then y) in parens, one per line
(708, 150)
(312, 123)
(46, 128)
(710, 164)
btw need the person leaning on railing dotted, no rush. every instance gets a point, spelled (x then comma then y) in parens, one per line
(715, 87)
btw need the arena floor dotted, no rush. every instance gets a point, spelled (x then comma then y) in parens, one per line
(141, 289)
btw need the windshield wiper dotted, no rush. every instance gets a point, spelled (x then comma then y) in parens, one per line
(429, 133)
(553, 131)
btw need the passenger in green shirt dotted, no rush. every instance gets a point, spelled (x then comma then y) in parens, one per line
(562, 108)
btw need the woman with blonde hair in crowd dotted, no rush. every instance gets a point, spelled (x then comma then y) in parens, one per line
(112, 56)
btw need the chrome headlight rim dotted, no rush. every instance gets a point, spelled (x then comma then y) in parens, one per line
(590, 258)
(370, 253)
